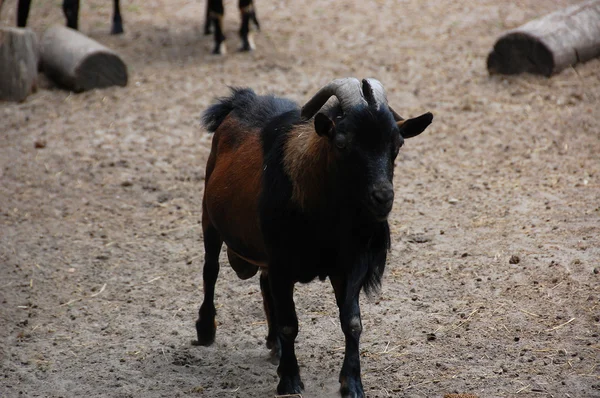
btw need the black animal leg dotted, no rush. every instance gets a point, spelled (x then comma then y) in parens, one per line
(282, 291)
(23, 12)
(207, 20)
(205, 325)
(247, 14)
(346, 294)
(216, 11)
(117, 23)
(71, 11)
(272, 338)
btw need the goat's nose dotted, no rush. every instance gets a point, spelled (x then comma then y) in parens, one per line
(383, 196)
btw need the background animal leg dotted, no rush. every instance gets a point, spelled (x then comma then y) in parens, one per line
(117, 25)
(71, 11)
(248, 14)
(216, 12)
(23, 12)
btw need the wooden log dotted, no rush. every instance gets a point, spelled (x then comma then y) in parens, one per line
(79, 63)
(18, 63)
(551, 43)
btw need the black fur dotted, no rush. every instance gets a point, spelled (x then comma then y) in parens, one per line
(247, 107)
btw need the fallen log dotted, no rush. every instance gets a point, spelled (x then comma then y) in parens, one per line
(549, 44)
(18, 63)
(79, 63)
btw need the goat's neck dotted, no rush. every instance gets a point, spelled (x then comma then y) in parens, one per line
(308, 163)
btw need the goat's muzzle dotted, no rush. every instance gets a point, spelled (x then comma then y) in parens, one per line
(380, 201)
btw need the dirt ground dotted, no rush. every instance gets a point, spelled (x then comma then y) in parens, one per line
(492, 286)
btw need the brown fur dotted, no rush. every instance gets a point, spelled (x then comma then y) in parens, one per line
(306, 161)
(233, 186)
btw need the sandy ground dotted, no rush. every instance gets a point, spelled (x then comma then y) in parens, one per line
(100, 204)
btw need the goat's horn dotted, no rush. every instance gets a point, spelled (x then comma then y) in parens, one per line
(377, 93)
(374, 92)
(347, 91)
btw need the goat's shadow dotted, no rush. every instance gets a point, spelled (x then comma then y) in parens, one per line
(222, 371)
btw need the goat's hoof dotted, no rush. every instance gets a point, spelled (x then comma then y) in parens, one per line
(247, 44)
(206, 334)
(220, 49)
(290, 385)
(117, 30)
(351, 388)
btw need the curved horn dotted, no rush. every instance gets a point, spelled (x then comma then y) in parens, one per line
(378, 95)
(374, 92)
(347, 91)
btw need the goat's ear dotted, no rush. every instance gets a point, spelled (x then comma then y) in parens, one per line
(412, 127)
(324, 126)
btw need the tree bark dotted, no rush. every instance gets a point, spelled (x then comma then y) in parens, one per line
(551, 43)
(79, 63)
(18, 63)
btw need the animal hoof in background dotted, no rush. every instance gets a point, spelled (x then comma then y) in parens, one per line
(220, 49)
(290, 385)
(247, 44)
(206, 334)
(117, 29)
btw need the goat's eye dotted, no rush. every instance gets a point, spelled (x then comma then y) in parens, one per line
(340, 141)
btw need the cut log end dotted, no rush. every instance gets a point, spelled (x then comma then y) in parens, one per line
(101, 70)
(551, 43)
(79, 63)
(518, 53)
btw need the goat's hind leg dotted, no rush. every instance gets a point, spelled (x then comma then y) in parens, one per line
(205, 325)
(272, 339)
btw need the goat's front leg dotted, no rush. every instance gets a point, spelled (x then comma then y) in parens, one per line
(346, 293)
(282, 291)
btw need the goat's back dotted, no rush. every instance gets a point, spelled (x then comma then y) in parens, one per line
(235, 167)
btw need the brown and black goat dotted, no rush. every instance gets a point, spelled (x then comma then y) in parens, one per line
(301, 200)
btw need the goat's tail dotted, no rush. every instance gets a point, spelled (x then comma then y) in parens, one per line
(217, 112)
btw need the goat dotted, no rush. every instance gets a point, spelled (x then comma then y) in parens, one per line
(71, 11)
(214, 16)
(302, 200)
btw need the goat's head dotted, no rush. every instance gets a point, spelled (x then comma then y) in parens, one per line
(365, 134)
